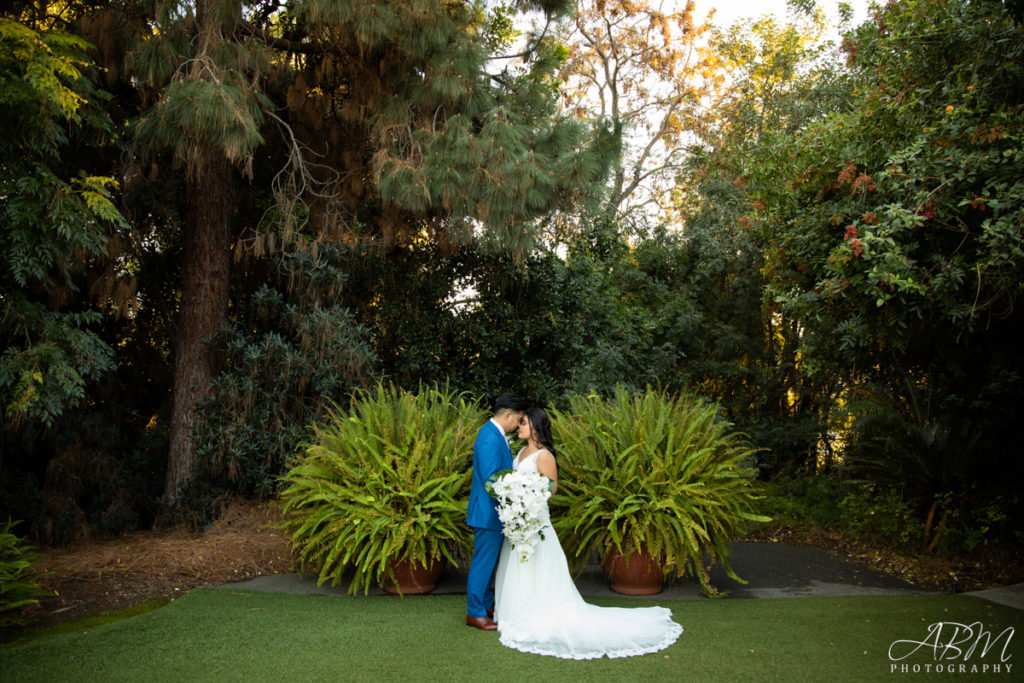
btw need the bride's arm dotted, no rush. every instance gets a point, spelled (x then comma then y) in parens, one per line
(546, 466)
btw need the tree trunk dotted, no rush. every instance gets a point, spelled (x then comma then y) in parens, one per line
(203, 308)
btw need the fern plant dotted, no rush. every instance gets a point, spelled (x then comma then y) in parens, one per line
(652, 471)
(18, 588)
(387, 480)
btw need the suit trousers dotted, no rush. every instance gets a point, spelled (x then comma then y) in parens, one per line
(483, 564)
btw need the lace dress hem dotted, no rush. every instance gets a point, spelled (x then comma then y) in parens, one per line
(534, 648)
(540, 610)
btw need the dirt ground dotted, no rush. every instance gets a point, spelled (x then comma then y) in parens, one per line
(981, 569)
(92, 577)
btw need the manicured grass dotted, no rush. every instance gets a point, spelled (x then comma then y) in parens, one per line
(226, 634)
(84, 624)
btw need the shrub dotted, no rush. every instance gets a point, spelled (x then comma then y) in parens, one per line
(17, 586)
(386, 480)
(649, 470)
(285, 359)
(884, 516)
(879, 515)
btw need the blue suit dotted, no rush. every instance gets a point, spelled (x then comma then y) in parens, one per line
(490, 454)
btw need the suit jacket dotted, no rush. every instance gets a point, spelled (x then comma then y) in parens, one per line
(490, 454)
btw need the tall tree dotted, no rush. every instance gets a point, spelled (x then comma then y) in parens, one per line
(896, 221)
(777, 78)
(205, 76)
(893, 231)
(644, 67)
(362, 128)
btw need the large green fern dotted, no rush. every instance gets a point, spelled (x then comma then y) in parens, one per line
(386, 480)
(653, 471)
(18, 587)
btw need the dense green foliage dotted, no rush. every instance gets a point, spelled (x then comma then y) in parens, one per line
(654, 472)
(55, 221)
(885, 516)
(751, 360)
(886, 198)
(880, 249)
(850, 200)
(284, 363)
(387, 479)
(547, 327)
(18, 588)
(840, 268)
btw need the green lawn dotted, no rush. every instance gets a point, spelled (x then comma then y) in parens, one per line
(225, 634)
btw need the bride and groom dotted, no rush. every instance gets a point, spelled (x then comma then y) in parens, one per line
(535, 604)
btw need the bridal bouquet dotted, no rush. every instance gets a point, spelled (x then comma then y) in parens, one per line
(522, 507)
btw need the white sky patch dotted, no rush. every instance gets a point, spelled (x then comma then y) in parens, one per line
(728, 12)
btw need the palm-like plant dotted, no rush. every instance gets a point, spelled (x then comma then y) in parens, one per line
(655, 472)
(906, 439)
(385, 481)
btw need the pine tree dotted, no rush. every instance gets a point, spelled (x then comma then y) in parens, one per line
(422, 132)
(208, 112)
(382, 120)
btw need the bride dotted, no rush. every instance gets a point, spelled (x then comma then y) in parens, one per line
(537, 606)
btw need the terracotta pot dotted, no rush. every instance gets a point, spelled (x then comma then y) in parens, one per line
(639, 575)
(413, 578)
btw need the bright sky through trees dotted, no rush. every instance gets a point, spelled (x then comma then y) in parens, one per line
(729, 11)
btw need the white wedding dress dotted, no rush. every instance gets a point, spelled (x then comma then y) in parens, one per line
(539, 610)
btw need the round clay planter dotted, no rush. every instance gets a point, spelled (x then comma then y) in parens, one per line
(413, 578)
(639, 575)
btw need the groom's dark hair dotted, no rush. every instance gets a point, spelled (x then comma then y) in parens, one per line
(509, 402)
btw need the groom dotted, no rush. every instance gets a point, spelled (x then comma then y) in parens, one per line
(491, 453)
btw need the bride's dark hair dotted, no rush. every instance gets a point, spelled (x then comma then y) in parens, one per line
(540, 425)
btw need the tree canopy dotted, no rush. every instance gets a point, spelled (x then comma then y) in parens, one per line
(220, 218)
(353, 126)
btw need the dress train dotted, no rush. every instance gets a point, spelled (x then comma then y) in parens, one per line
(539, 609)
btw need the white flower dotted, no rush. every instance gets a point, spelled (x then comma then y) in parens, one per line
(522, 508)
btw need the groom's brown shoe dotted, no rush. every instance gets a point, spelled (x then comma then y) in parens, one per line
(482, 623)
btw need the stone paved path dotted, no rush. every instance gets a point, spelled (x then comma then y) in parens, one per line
(772, 570)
